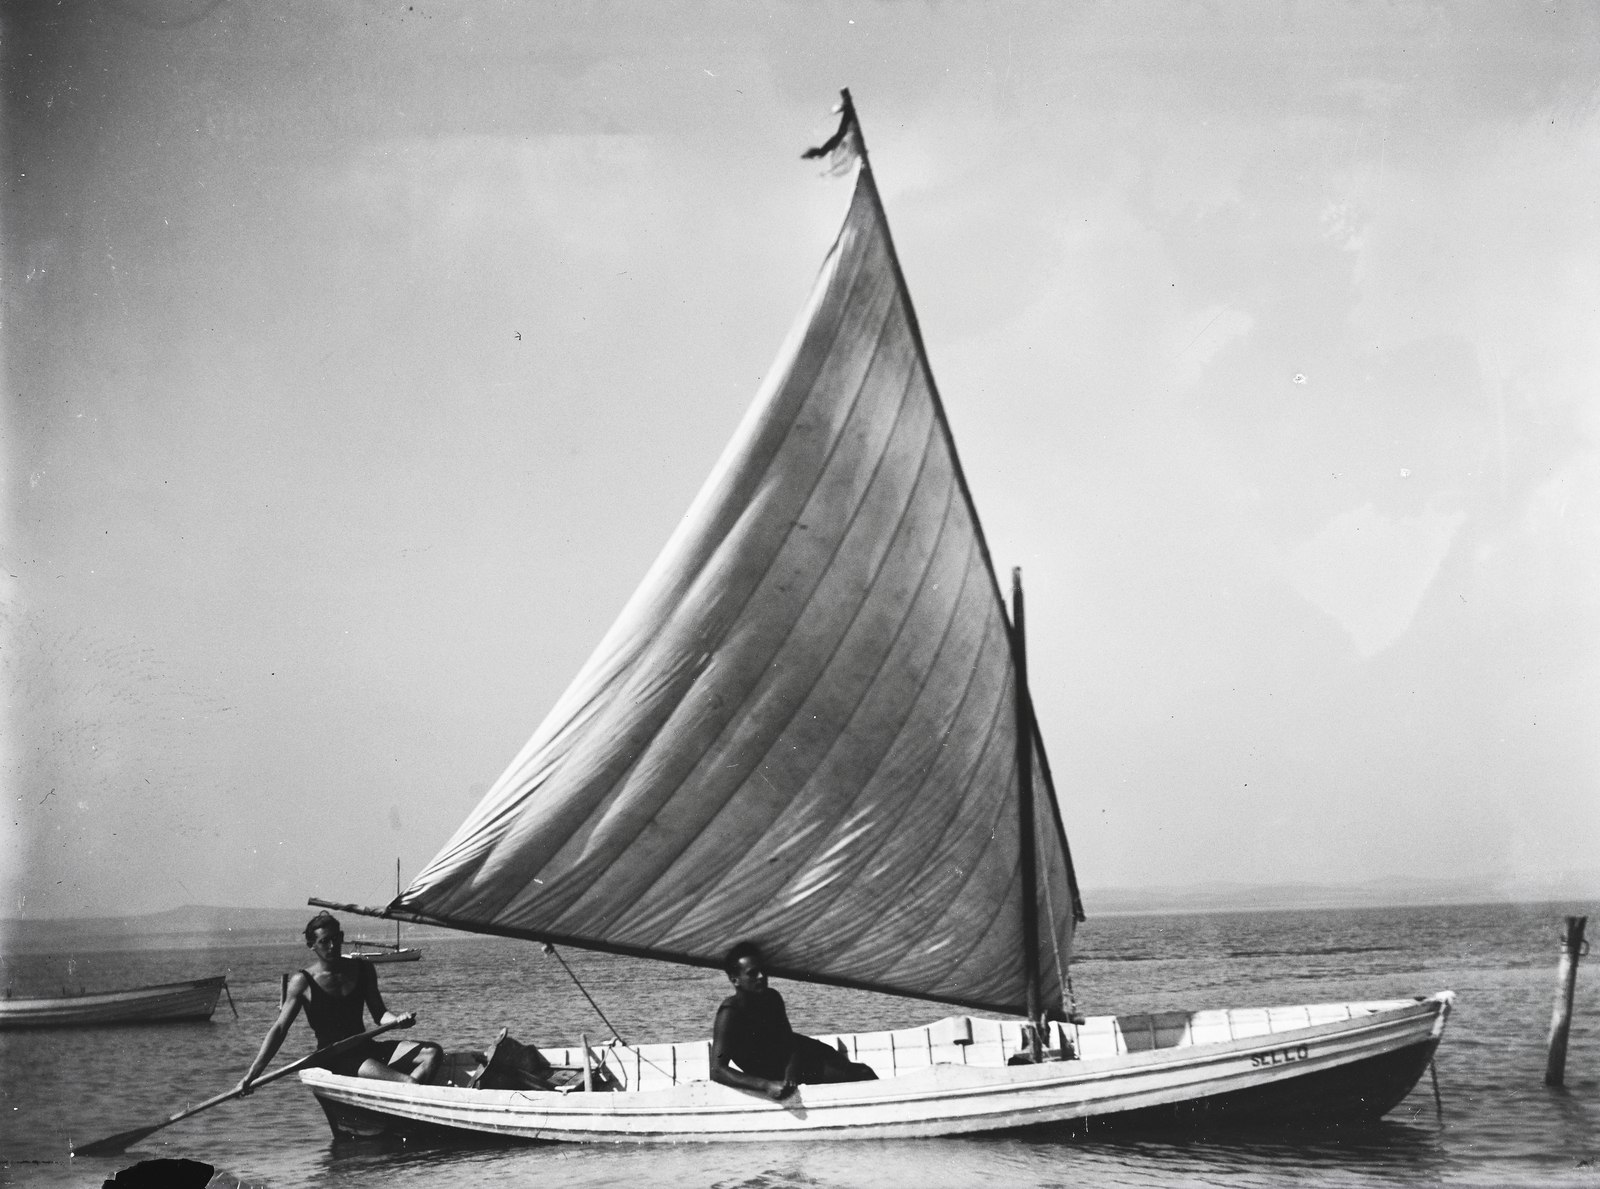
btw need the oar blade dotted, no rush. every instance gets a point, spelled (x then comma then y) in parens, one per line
(113, 1145)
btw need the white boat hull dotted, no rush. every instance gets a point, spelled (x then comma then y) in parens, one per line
(1359, 1065)
(168, 1003)
(380, 956)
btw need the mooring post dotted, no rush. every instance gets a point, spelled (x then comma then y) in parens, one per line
(1572, 948)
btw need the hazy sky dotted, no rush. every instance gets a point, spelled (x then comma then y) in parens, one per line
(359, 358)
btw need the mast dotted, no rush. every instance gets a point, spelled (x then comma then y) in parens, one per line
(1030, 895)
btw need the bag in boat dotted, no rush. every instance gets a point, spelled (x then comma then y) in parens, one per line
(512, 1065)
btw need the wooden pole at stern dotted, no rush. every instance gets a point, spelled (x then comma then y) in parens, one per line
(1030, 878)
(1572, 948)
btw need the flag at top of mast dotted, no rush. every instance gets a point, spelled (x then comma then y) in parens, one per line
(845, 147)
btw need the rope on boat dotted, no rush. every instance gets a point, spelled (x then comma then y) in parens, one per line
(616, 1037)
(550, 949)
(1438, 1103)
(230, 998)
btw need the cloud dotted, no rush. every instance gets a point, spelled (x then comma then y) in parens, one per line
(1370, 571)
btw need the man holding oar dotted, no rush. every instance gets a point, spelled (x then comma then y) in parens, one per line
(333, 990)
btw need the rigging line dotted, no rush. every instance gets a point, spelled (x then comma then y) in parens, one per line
(638, 1052)
(550, 949)
(1055, 940)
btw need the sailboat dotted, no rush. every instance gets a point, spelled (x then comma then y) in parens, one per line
(369, 950)
(810, 727)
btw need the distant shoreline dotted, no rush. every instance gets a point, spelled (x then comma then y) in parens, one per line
(192, 921)
(1558, 888)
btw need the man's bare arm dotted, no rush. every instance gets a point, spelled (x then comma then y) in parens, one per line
(275, 1034)
(724, 1073)
(375, 1005)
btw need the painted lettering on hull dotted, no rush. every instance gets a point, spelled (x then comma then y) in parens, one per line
(1279, 1057)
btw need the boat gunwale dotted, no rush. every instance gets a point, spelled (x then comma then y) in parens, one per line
(1010, 1079)
(111, 997)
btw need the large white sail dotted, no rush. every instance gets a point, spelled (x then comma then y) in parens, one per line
(802, 728)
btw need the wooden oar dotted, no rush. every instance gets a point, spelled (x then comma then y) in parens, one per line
(113, 1144)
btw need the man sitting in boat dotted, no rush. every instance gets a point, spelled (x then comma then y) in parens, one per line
(752, 1033)
(334, 989)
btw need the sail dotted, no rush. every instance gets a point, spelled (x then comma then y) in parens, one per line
(802, 728)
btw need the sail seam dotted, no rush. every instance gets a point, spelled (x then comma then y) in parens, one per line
(996, 716)
(803, 698)
(914, 800)
(602, 804)
(755, 688)
(820, 909)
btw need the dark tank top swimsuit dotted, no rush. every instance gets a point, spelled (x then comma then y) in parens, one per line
(334, 1017)
(758, 1035)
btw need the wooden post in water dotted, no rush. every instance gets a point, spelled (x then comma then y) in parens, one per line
(1555, 1070)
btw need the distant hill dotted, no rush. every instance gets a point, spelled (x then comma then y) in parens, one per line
(187, 926)
(1378, 893)
(204, 925)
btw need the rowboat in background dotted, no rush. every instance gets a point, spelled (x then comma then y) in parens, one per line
(166, 1003)
(811, 728)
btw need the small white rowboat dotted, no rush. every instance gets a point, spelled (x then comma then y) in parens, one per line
(166, 1003)
(1312, 1064)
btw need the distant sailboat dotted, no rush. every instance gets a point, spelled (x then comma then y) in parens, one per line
(811, 727)
(382, 951)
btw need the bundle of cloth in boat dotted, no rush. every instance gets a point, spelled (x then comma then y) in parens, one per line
(511, 1065)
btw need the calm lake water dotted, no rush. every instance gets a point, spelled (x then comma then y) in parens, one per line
(1500, 1125)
